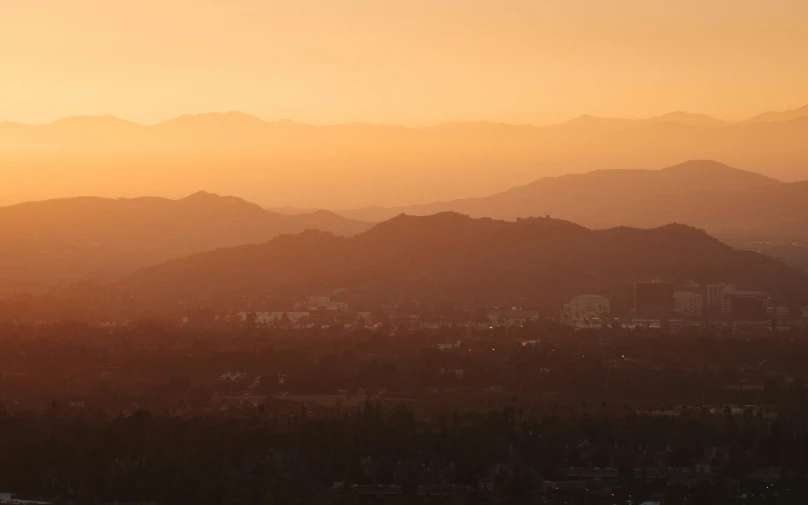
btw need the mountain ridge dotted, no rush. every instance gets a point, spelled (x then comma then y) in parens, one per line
(52, 242)
(779, 116)
(537, 261)
(690, 176)
(770, 116)
(449, 256)
(302, 165)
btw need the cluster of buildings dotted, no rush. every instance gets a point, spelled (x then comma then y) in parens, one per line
(661, 301)
(657, 301)
(273, 318)
(654, 301)
(512, 315)
(323, 310)
(585, 310)
(313, 311)
(318, 303)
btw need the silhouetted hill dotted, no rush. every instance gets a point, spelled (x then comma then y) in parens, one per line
(688, 118)
(587, 123)
(742, 208)
(449, 256)
(601, 198)
(359, 164)
(787, 115)
(62, 241)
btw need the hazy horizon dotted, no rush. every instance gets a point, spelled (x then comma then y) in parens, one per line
(288, 209)
(355, 165)
(416, 251)
(488, 95)
(402, 62)
(421, 124)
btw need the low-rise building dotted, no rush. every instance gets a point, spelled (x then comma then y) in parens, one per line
(263, 318)
(715, 295)
(585, 308)
(688, 304)
(297, 315)
(779, 313)
(745, 305)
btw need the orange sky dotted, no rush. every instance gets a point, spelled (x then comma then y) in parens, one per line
(400, 61)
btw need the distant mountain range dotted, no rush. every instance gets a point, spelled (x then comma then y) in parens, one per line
(773, 117)
(60, 242)
(355, 165)
(448, 256)
(730, 203)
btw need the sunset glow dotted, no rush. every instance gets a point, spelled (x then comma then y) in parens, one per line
(423, 252)
(411, 62)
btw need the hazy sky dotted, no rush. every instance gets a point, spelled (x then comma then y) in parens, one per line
(400, 61)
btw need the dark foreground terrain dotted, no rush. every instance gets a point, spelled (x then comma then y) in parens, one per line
(533, 413)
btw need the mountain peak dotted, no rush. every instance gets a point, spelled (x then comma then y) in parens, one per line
(204, 198)
(322, 213)
(405, 224)
(441, 218)
(715, 168)
(688, 119)
(201, 195)
(702, 165)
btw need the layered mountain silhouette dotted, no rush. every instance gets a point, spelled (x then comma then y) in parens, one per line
(449, 256)
(787, 115)
(730, 203)
(60, 242)
(354, 165)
